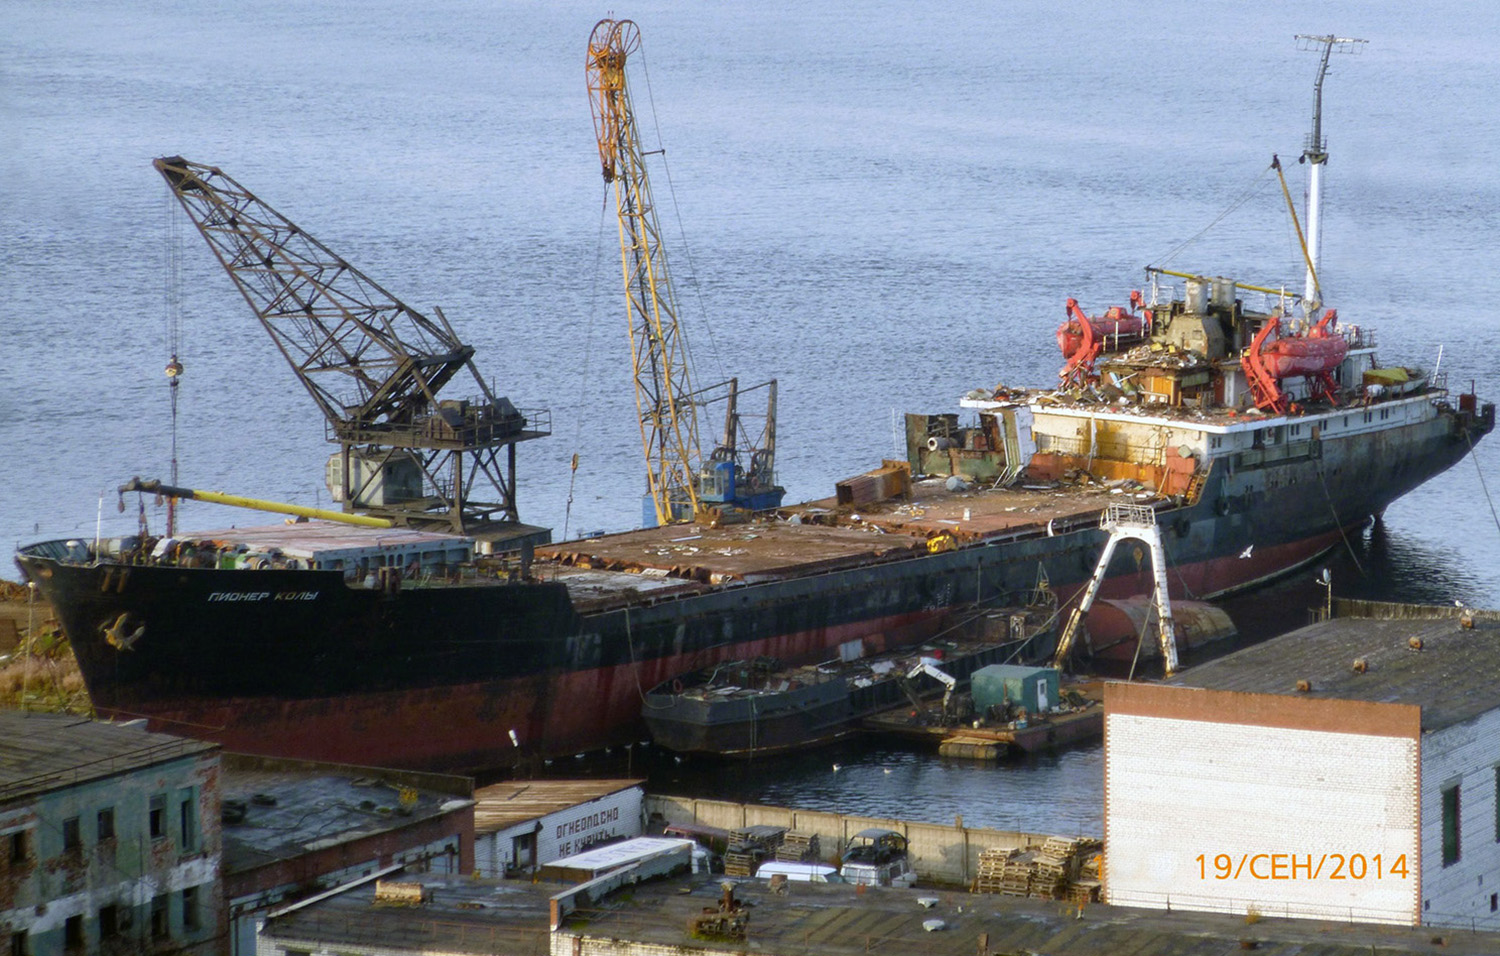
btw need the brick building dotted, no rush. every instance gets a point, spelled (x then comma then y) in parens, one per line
(293, 829)
(1347, 770)
(109, 838)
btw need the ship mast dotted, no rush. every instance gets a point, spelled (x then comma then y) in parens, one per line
(1315, 152)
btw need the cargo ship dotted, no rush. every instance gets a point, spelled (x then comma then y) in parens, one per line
(1260, 439)
(406, 648)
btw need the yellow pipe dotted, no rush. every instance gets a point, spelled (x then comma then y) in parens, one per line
(1301, 240)
(1237, 285)
(254, 504)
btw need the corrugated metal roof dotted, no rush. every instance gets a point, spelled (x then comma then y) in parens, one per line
(289, 812)
(503, 805)
(42, 752)
(484, 916)
(1454, 677)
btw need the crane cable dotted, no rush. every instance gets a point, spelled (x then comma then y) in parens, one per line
(713, 345)
(1244, 197)
(173, 310)
(588, 350)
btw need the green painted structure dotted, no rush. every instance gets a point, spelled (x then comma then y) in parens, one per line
(1035, 689)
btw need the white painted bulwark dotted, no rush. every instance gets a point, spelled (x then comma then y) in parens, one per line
(1234, 802)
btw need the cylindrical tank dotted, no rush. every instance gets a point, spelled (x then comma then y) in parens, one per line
(1197, 296)
(1223, 293)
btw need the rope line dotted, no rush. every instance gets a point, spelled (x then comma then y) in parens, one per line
(1485, 488)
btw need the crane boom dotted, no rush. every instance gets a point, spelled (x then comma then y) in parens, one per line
(658, 347)
(681, 484)
(373, 365)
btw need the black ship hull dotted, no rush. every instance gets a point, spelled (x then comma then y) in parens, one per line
(300, 663)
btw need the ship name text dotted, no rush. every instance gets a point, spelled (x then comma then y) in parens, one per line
(263, 596)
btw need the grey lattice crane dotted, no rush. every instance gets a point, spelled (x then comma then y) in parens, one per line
(373, 364)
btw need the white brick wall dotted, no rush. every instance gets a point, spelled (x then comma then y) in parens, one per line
(1177, 789)
(1459, 894)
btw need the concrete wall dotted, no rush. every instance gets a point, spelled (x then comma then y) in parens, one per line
(1465, 893)
(941, 853)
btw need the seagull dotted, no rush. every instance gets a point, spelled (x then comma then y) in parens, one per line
(837, 767)
(887, 769)
(1246, 553)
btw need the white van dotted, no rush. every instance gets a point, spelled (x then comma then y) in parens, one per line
(799, 872)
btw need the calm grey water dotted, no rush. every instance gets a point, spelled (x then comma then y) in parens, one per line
(883, 205)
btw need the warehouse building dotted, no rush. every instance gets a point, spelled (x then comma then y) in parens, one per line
(293, 829)
(1348, 770)
(520, 825)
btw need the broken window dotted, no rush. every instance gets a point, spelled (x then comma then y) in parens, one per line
(160, 925)
(72, 835)
(158, 818)
(109, 921)
(20, 846)
(1451, 846)
(187, 822)
(190, 907)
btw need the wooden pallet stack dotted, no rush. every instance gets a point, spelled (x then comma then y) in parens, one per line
(798, 846)
(749, 846)
(1007, 872)
(1087, 886)
(1060, 869)
(992, 863)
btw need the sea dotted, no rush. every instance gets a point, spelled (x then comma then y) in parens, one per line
(881, 205)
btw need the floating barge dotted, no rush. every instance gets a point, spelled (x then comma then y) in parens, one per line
(756, 707)
(1077, 722)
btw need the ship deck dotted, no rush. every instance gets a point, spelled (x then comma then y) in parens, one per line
(812, 538)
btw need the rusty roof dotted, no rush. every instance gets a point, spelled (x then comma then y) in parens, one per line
(290, 811)
(44, 752)
(488, 916)
(1454, 676)
(503, 805)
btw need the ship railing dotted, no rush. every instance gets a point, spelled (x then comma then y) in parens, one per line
(1112, 450)
(1127, 516)
(1358, 336)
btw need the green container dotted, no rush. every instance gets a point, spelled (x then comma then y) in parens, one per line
(1032, 688)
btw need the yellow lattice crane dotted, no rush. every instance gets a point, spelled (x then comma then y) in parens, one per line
(681, 485)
